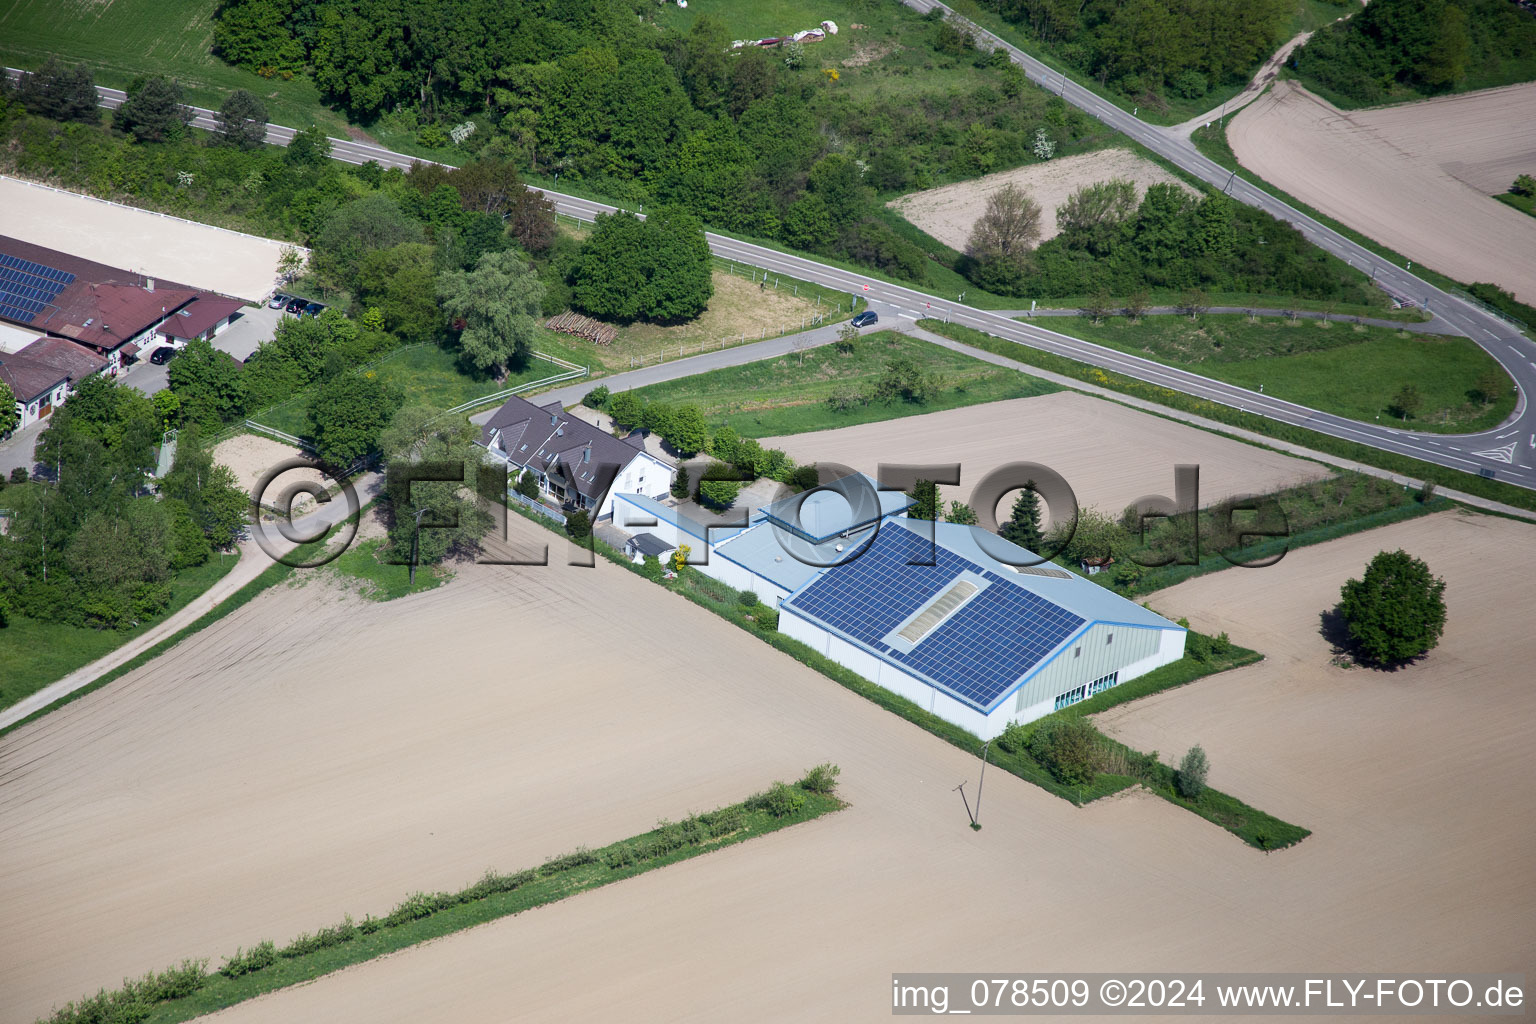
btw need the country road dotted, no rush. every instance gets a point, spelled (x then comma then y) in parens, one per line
(1507, 452)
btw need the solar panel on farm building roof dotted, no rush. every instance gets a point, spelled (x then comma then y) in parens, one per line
(977, 653)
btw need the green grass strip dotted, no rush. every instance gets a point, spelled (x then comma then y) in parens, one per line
(270, 576)
(1468, 483)
(182, 993)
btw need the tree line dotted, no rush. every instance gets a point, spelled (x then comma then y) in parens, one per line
(752, 141)
(1150, 50)
(1405, 49)
(94, 546)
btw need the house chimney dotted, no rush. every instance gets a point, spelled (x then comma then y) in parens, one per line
(149, 285)
(586, 453)
(554, 419)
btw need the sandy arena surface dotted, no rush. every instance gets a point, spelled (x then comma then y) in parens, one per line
(1110, 455)
(1414, 785)
(948, 213)
(250, 456)
(1417, 178)
(176, 250)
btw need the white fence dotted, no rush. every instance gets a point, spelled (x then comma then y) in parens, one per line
(501, 396)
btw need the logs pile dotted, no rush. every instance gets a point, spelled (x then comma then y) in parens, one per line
(594, 331)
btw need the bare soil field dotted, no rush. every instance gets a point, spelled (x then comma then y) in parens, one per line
(250, 456)
(314, 754)
(242, 266)
(1417, 177)
(1414, 783)
(1423, 771)
(948, 213)
(1110, 455)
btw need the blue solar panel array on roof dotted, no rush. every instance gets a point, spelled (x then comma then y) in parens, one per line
(27, 288)
(977, 654)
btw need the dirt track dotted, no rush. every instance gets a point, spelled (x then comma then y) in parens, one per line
(1418, 178)
(176, 250)
(948, 213)
(1110, 455)
(1413, 782)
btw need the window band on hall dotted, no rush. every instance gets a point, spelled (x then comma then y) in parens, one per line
(1087, 690)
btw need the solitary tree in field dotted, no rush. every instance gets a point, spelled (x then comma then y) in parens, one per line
(1396, 611)
(1195, 302)
(1023, 525)
(1098, 305)
(430, 518)
(1491, 383)
(242, 120)
(1004, 238)
(1525, 185)
(1406, 402)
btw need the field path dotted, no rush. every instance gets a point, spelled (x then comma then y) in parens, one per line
(253, 561)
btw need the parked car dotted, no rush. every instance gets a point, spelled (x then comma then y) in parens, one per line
(313, 309)
(865, 318)
(278, 301)
(162, 355)
(294, 306)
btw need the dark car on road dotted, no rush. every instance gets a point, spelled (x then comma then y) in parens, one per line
(294, 306)
(865, 318)
(162, 355)
(278, 301)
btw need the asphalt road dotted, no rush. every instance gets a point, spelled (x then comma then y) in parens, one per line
(1507, 452)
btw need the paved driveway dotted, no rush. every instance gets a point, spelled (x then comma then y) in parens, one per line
(251, 327)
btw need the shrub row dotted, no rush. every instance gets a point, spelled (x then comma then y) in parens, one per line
(136, 1000)
(132, 1003)
(1468, 483)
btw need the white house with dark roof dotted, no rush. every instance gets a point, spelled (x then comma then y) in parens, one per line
(575, 463)
(946, 621)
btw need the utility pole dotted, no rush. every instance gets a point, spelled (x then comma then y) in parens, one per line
(976, 819)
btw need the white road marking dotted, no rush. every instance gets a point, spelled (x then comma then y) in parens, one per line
(1505, 454)
(1511, 433)
(909, 316)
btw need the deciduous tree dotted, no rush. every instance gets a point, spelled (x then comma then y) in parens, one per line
(1396, 611)
(1004, 237)
(349, 413)
(494, 307)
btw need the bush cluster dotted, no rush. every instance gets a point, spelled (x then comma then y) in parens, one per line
(132, 1003)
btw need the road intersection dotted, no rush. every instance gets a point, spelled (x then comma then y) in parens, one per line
(1488, 453)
